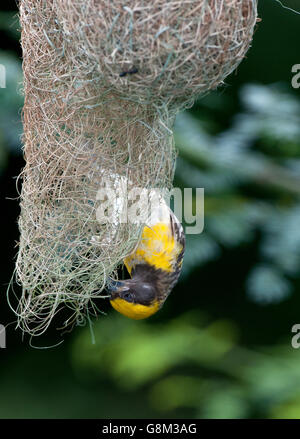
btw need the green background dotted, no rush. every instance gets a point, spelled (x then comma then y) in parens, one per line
(221, 346)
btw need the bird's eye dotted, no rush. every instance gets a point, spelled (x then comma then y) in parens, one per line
(128, 296)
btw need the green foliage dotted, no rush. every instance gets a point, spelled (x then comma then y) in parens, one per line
(9, 23)
(230, 166)
(11, 104)
(188, 363)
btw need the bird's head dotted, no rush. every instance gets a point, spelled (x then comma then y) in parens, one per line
(134, 299)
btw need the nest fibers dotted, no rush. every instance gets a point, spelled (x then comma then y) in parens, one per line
(103, 82)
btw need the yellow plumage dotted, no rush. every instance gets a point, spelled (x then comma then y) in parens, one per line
(134, 311)
(157, 248)
(154, 266)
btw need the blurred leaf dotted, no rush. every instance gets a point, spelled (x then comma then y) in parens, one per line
(175, 392)
(281, 242)
(266, 285)
(287, 410)
(199, 250)
(9, 22)
(11, 101)
(224, 402)
(141, 353)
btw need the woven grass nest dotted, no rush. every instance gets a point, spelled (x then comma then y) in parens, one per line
(103, 81)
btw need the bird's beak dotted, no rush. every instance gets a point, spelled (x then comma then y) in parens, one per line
(115, 287)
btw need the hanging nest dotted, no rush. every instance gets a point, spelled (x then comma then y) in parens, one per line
(103, 82)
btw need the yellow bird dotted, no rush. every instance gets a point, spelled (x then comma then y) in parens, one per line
(154, 267)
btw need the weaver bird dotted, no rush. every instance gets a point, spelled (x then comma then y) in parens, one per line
(154, 266)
